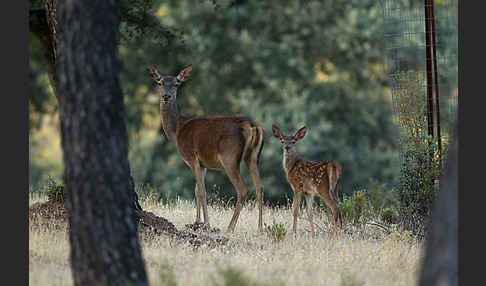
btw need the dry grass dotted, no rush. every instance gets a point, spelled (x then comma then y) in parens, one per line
(349, 258)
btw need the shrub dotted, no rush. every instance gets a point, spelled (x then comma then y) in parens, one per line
(389, 215)
(55, 191)
(360, 205)
(421, 162)
(377, 196)
(354, 208)
(276, 231)
(347, 209)
(419, 176)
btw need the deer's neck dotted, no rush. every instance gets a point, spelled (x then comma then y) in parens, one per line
(170, 119)
(289, 159)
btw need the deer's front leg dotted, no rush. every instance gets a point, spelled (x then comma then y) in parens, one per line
(200, 192)
(296, 204)
(197, 196)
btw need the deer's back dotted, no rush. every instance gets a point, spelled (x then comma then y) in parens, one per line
(211, 136)
(313, 176)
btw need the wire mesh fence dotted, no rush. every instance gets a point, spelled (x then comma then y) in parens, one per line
(405, 33)
(421, 39)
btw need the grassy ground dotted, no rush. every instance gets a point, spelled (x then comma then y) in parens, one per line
(356, 256)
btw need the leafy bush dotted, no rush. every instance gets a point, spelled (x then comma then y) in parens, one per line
(55, 191)
(354, 208)
(421, 161)
(360, 205)
(389, 215)
(377, 196)
(275, 231)
(419, 180)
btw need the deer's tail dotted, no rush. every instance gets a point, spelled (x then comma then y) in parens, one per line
(257, 143)
(336, 177)
(254, 140)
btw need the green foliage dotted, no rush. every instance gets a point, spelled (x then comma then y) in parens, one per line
(292, 63)
(421, 162)
(275, 231)
(364, 205)
(389, 215)
(419, 180)
(355, 208)
(282, 68)
(55, 191)
(280, 62)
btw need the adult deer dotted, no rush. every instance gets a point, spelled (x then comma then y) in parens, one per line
(311, 178)
(211, 142)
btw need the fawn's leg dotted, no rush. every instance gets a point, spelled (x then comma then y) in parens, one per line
(308, 201)
(336, 213)
(333, 184)
(296, 204)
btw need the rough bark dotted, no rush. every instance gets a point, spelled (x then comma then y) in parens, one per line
(105, 249)
(440, 264)
(44, 24)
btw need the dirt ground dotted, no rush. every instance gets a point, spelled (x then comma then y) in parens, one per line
(150, 225)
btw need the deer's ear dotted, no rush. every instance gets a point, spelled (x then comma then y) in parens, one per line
(152, 69)
(276, 131)
(184, 74)
(300, 133)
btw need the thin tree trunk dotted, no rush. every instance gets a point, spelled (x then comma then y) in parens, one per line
(440, 264)
(105, 249)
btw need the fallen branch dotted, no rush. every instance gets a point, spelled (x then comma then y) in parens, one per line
(380, 226)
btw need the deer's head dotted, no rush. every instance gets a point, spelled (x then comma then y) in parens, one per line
(288, 142)
(168, 85)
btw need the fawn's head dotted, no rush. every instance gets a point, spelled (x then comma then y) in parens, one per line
(167, 84)
(288, 142)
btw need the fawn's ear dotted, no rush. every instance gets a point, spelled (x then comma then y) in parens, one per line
(152, 69)
(184, 74)
(301, 133)
(276, 131)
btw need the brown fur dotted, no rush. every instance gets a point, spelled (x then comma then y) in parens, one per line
(310, 178)
(212, 142)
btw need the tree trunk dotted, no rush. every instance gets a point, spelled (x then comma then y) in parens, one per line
(440, 264)
(44, 24)
(105, 249)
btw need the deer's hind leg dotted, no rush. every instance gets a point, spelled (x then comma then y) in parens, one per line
(252, 164)
(232, 169)
(255, 177)
(308, 201)
(333, 184)
(336, 212)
